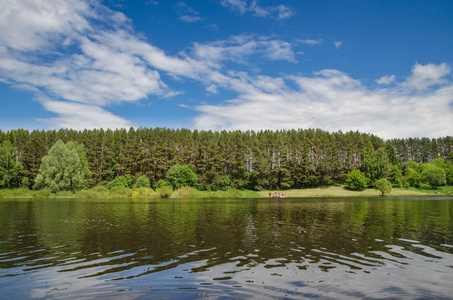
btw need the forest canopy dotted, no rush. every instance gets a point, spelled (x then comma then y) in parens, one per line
(255, 160)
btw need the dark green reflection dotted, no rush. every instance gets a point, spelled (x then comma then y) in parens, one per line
(162, 234)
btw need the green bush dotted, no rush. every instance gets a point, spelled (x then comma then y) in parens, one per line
(179, 176)
(142, 182)
(43, 193)
(85, 194)
(120, 191)
(21, 192)
(143, 192)
(64, 194)
(187, 192)
(164, 192)
(162, 182)
(356, 180)
(226, 182)
(124, 181)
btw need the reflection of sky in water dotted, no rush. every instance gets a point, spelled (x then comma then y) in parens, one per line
(343, 249)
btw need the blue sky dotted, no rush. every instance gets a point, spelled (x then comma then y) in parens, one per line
(382, 67)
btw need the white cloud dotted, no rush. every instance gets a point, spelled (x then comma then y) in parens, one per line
(331, 100)
(280, 12)
(424, 76)
(212, 89)
(187, 13)
(238, 5)
(81, 116)
(30, 25)
(240, 48)
(190, 19)
(387, 79)
(309, 42)
(102, 71)
(337, 44)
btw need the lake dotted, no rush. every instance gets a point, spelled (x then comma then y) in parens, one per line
(326, 248)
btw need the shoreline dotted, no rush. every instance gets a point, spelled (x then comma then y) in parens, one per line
(341, 191)
(326, 192)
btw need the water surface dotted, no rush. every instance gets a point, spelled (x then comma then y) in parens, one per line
(222, 249)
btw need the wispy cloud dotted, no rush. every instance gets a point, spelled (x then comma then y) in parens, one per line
(331, 100)
(84, 57)
(309, 42)
(240, 48)
(337, 44)
(190, 19)
(187, 13)
(387, 79)
(33, 52)
(280, 11)
(81, 116)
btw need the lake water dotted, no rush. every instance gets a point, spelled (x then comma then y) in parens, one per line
(227, 249)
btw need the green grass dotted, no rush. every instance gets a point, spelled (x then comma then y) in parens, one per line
(442, 190)
(188, 192)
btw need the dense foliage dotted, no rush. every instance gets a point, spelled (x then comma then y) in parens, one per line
(235, 159)
(356, 180)
(179, 176)
(384, 186)
(64, 169)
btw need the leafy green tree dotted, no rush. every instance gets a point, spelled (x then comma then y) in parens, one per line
(179, 176)
(433, 176)
(447, 165)
(375, 164)
(412, 177)
(10, 168)
(124, 181)
(142, 181)
(356, 180)
(63, 169)
(225, 182)
(383, 185)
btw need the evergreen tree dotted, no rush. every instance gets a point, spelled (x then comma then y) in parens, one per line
(10, 168)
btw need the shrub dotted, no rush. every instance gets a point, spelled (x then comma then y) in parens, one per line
(120, 191)
(164, 192)
(22, 192)
(162, 182)
(356, 180)
(43, 193)
(85, 194)
(124, 181)
(226, 182)
(187, 192)
(96, 192)
(142, 182)
(143, 192)
(67, 194)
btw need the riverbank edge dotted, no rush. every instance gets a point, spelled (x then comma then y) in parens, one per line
(326, 192)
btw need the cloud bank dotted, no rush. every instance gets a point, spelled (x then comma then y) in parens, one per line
(80, 57)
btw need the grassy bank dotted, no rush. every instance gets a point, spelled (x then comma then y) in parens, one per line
(187, 192)
(122, 192)
(342, 191)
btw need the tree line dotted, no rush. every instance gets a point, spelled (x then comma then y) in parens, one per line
(255, 160)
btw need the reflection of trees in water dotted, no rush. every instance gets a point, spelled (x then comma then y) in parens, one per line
(121, 235)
